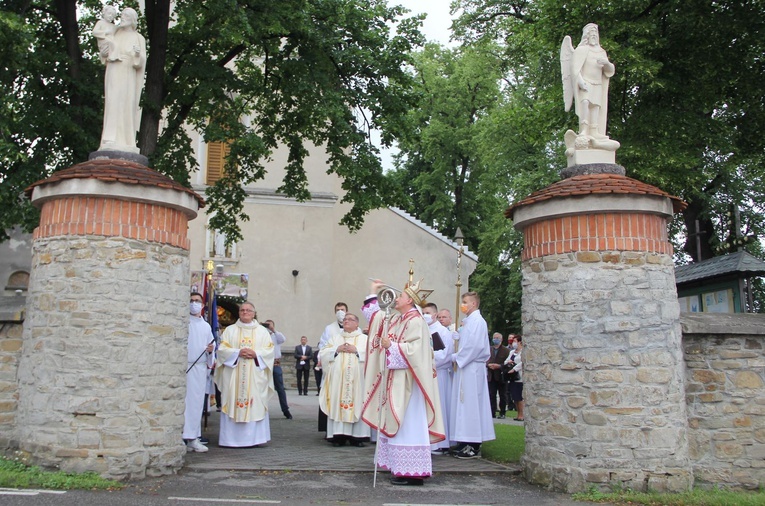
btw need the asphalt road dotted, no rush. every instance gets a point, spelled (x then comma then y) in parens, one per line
(298, 467)
(303, 489)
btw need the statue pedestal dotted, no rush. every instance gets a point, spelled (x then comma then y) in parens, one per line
(602, 359)
(589, 156)
(101, 375)
(112, 154)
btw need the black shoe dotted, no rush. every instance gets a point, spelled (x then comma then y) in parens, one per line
(400, 480)
(288, 415)
(317, 394)
(454, 450)
(502, 416)
(467, 453)
(357, 444)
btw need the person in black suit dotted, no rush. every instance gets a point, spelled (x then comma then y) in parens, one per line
(303, 355)
(494, 375)
(317, 372)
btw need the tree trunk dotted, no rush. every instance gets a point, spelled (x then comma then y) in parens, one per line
(66, 13)
(696, 211)
(158, 23)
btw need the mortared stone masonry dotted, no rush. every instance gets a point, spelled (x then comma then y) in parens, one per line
(603, 362)
(101, 381)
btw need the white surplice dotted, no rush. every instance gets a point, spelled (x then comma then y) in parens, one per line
(442, 359)
(470, 418)
(200, 336)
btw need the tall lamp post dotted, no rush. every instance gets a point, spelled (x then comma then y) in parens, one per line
(461, 241)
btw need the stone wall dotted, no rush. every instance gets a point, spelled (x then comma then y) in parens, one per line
(725, 395)
(101, 380)
(11, 321)
(603, 373)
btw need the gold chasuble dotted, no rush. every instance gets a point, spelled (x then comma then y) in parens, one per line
(245, 388)
(413, 337)
(342, 393)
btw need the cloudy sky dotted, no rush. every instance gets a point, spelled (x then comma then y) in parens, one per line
(436, 28)
(436, 25)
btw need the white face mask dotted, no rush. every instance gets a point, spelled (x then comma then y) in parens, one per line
(428, 318)
(195, 307)
(340, 315)
(515, 346)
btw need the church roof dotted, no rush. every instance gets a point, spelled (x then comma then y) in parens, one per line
(741, 264)
(433, 232)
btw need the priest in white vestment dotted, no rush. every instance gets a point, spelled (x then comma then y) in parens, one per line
(470, 420)
(342, 393)
(244, 375)
(200, 361)
(400, 370)
(443, 363)
(330, 331)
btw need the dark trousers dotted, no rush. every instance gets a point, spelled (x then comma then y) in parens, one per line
(302, 380)
(279, 387)
(317, 377)
(497, 387)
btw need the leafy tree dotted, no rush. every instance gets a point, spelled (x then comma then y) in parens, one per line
(444, 169)
(686, 102)
(256, 73)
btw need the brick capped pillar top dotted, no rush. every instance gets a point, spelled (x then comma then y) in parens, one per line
(590, 213)
(114, 198)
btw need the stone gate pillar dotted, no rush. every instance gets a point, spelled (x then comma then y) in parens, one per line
(101, 375)
(602, 357)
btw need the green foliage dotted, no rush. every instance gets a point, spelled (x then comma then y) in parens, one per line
(15, 474)
(696, 497)
(685, 101)
(509, 445)
(256, 73)
(447, 172)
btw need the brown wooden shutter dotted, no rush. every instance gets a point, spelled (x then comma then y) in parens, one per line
(216, 161)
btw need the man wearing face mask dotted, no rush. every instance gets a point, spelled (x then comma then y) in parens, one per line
(470, 412)
(494, 375)
(200, 347)
(442, 360)
(336, 327)
(330, 331)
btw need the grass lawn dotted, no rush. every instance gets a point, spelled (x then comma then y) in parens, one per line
(14, 474)
(509, 445)
(696, 497)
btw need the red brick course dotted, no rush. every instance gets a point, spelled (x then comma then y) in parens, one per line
(596, 231)
(112, 217)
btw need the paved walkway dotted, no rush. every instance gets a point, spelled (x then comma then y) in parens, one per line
(297, 445)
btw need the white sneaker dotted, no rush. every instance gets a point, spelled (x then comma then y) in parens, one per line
(195, 446)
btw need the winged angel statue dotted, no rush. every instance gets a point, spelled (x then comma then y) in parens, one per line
(586, 72)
